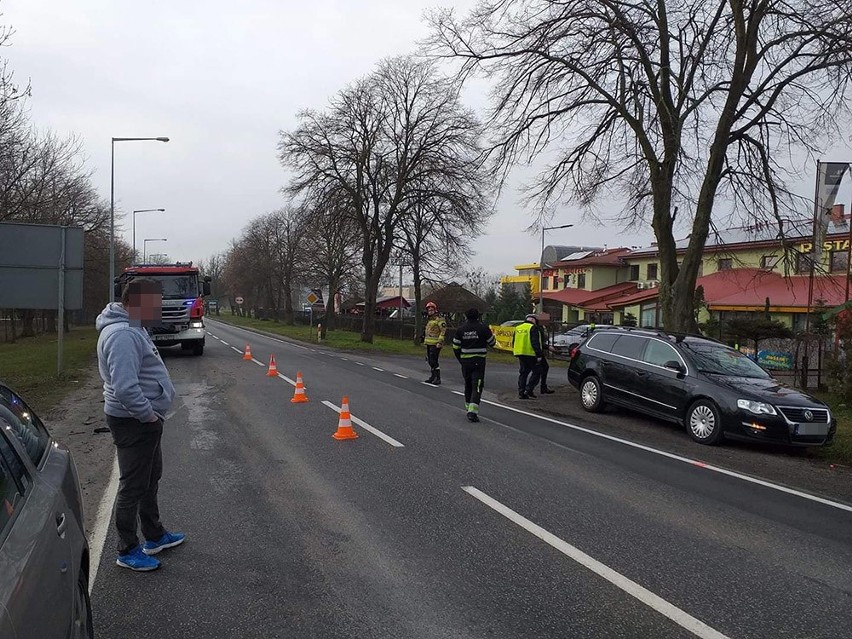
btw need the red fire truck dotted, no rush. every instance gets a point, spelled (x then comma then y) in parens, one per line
(183, 303)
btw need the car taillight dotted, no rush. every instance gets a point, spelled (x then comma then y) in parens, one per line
(197, 309)
(573, 352)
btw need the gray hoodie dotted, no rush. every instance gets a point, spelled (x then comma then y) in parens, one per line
(136, 382)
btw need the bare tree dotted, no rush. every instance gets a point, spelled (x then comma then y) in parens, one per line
(380, 137)
(332, 249)
(672, 103)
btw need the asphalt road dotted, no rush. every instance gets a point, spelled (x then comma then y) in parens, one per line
(513, 527)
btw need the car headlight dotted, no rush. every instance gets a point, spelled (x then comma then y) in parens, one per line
(758, 408)
(196, 324)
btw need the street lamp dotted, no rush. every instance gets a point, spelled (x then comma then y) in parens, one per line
(134, 225)
(541, 264)
(145, 246)
(112, 206)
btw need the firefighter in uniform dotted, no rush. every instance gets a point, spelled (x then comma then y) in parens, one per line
(526, 346)
(433, 337)
(544, 367)
(470, 346)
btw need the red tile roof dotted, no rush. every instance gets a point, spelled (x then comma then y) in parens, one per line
(581, 297)
(749, 288)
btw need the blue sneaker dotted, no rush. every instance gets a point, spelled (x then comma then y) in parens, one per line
(137, 560)
(168, 540)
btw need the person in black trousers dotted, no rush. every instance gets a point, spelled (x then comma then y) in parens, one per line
(470, 346)
(543, 366)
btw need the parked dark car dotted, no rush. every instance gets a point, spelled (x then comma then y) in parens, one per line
(714, 390)
(44, 555)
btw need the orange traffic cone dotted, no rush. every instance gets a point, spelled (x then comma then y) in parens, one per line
(273, 369)
(247, 354)
(344, 424)
(299, 396)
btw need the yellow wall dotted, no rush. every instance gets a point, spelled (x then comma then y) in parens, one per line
(600, 277)
(532, 280)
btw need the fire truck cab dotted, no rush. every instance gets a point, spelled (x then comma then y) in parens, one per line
(183, 303)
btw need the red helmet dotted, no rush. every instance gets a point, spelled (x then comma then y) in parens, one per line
(431, 305)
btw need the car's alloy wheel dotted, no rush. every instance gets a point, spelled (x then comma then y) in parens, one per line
(704, 422)
(590, 394)
(82, 621)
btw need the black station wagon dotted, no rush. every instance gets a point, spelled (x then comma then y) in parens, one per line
(714, 390)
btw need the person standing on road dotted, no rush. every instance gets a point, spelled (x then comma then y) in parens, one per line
(470, 346)
(137, 395)
(526, 346)
(544, 367)
(433, 337)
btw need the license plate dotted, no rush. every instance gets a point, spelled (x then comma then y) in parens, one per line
(162, 338)
(812, 429)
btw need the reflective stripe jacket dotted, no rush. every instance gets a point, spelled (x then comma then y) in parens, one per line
(472, 339)
(436, 329)
(527, 340)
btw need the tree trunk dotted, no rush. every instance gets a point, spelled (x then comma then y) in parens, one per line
(418, 299)
(369, 326)
(288, 304)
(329, 308)
(27, 319)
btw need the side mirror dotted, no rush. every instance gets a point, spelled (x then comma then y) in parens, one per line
(675, 366)
(205, 288)
(116, 289)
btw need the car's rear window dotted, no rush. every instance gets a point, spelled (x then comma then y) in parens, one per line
(629, 346)
(602, 341)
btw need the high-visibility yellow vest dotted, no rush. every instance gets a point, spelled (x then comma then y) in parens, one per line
(523, 343)
(436, 328)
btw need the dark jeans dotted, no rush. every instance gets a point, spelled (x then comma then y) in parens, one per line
(432, 354)
(544, 368)
(140, 464)
(529, 373)
(473, 371)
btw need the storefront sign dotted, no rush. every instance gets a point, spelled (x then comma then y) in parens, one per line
(834, 245)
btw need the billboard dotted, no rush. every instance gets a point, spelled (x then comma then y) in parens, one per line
(36, 260)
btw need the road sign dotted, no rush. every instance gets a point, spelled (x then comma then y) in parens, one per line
(312, 298)
(239, 300)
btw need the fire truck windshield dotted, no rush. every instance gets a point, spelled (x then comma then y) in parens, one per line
(177, 286)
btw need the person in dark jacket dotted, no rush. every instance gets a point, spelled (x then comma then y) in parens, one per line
(470, 346)
(543, 366)
(526, 346)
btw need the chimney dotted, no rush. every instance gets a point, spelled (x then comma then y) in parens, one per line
(837, 214)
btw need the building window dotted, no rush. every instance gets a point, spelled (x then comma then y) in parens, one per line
(652, 272)
(634, 272)
(648, 315)
(839, 261)
(769, 262)
(581, 280)
(803, 263)
(726, 264)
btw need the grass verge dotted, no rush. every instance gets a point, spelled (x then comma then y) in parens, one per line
(29, 366)
(840, 452)
(347, 340)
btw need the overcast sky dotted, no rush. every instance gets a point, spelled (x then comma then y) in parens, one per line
(221, 79)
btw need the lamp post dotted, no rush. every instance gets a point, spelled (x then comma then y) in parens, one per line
(145, 245)
(134, 225)
(541, 264)
(112, 206)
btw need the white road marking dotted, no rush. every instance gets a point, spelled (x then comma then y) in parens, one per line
(376, 368)
(258, 362)
(360, 422)
(345, 359)
(236, 349)
(433, 386)
(655, 602)
(224, 342)
(240, 328)
(360, 363)
(400, 376)
(102, 523)
(287, 379)
(685, 460)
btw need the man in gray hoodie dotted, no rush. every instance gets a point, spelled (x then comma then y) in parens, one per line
(137, 395)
